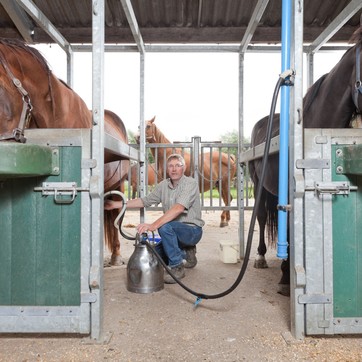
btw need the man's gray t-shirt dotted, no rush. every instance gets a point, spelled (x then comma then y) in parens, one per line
(185, 193)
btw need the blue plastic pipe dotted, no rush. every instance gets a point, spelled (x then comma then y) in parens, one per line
(282, 251)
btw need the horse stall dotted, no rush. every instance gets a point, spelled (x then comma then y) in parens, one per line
(45, 223)
(333, 245)
(49, 272)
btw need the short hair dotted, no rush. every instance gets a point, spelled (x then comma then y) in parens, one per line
(176, 156)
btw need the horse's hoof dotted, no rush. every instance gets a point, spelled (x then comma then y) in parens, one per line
(260, 263)
(116, 260)
(284, 289)
(223, 224)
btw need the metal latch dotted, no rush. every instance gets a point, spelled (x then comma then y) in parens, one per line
(60, 190)
(334, 188)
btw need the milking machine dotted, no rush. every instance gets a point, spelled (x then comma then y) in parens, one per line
(144, 272)
(145, 269)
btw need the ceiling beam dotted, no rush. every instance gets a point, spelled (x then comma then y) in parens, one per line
(253, 24)
(132, 21)
(38, 16)
(20, 19)
(351, 9)
(220, 35)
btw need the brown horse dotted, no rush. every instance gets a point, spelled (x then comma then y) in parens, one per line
(32, 97)
(223, 175)
(331, 102)
(152, 180)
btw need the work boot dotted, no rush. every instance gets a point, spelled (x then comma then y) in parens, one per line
(178, 271)
(191, 260)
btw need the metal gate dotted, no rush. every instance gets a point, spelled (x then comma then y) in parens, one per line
(45, 234)
(196, 147)
(197, 150)
(333, 229)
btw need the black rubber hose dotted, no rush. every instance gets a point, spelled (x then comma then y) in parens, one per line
(253, 216)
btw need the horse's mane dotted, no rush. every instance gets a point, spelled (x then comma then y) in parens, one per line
(356, 37)
(64, 83)
(18, 44)
(163, 138)
(312, 92)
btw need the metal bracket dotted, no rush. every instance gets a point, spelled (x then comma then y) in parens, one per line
(88, 297)
(60, 189)
(314, 164)
(334, 188)
(315, 299)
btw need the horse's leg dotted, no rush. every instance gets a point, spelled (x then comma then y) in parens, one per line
(116, 258)
(225, 215)
(111, 237)
(134, 190)
(284, 283)
(260, 261)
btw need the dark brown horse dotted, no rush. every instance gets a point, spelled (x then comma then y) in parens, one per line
(32, 97)
(331, 102)
(220, 175)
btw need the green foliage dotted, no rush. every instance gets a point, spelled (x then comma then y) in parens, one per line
(233, 137)
(233, 191)
(131, 136)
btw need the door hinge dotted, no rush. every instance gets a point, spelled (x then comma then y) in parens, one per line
(88, 297)
(315, 299)
(313, 164)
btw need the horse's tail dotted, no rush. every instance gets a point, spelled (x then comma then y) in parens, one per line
(272, 218)
(110, 232)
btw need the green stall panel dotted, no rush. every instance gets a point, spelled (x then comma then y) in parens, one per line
(347, 235)
(40, 239)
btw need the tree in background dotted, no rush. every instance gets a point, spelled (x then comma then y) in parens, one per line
(132, 141)
(232, 137)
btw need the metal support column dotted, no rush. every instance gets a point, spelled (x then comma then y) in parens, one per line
(143, 155)
(240, 168)
(310, 69)
(97, 178)
(296, 186)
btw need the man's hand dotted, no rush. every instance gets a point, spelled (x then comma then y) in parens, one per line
(143, 228)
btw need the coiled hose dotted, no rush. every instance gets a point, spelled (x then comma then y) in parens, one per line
(118, 222)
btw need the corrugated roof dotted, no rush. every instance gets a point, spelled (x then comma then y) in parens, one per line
(175, 21)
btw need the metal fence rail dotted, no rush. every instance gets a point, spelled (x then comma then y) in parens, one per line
(197, 169)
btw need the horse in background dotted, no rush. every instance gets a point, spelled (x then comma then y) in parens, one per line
(132, 177)
(211, 174)
(31, 96)
(331, 102)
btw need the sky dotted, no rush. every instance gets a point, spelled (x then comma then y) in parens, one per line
(191, 94)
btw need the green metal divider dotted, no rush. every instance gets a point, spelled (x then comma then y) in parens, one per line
(347, 231)
(40, 239)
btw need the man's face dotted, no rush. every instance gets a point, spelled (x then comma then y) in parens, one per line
(175, 169)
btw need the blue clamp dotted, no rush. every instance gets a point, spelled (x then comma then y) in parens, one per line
(197, 302)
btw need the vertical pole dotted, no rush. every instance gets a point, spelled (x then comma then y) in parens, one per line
(70, 67)
(196, 147)
(97, 178)
(240, 169)
(310, 69)
(296, 188)
(143, 155)
(284, 134)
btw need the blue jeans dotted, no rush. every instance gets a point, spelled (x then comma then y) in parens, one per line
(176, 235)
